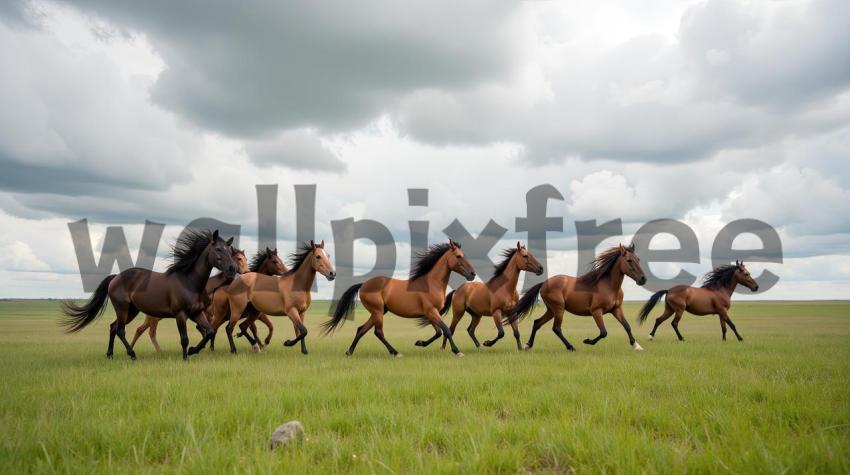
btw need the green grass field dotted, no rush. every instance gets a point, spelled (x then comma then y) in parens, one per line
(776, 403)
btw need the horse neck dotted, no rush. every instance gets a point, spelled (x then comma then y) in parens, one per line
(439, 275)
(510, 276)
(615, 278)
(730, 287)
(304, 276)
(200, 273)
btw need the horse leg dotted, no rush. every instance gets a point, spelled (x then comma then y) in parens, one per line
(536, 326)
(236, 309)
(471, 330)
(154, 323)
(140, 331)
(438, 333)
(303, 337)
(500, 332)
(515, 328)
(675, 324)
(268, 323)
(203, 326)
(457, 315)
(434, 316)
(597, 317)
(722, 326)
(126, 316)
(379, 332)
(658, 321)
(556, 328)
(297, 326)
(361, 330)
(184, 335)
(618, 314)
(725, 316)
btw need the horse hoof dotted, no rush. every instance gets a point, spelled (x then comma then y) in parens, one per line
(304, 352)
(651, 337)
(588, 341)
(526, 347)
(109, 356)
(488, 343)
(419, 343)
(571, 348)
(637, 347)
(347, 353)
(257, 349)
(459, 354)
(398, 355)
(133, 356)
(288, 343)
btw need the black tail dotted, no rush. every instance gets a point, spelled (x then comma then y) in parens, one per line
(649, 305)
(448, 304)
(342, 310)
(525, 305)
(78, 317)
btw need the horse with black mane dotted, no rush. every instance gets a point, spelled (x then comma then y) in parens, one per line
(420, 297)
(713, 298)
(177, 293)
(493, 298)
(595, 293)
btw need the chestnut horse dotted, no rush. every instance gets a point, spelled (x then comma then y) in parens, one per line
(288, 294)
(593, 294)
(713, 298)
(421, 296)
(264, 262)
(151, 323)
(494, 298)
(177, 293)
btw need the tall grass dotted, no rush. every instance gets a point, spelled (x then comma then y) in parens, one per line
(775, 403)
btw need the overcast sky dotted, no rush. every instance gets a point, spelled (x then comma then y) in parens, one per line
(701, 111)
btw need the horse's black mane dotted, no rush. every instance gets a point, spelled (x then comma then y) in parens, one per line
(298, 257)
(603, 264)
(427, 259)
(719, 277)
(187, 249)
(259, 258)
(499, 268)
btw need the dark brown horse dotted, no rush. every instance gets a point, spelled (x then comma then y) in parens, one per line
(713, 298)
(151, 324)
(266, 262)
(421, 296)
(593, 294)
(177, 293)
(494, 298)
(288, 294)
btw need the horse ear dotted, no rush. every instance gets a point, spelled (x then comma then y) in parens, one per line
(322, 244)
(275, 251)
(518, 246)
(452, 244)
(230, 241)
(622, 249)
(312, 244)
(215, 235)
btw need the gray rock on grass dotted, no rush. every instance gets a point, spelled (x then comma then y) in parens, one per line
(286, 434)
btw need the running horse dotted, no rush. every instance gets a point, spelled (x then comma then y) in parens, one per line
(421, 296)
(177, 293)
(287, 294)
(595, 293)
(264, 262)
(151, 323)
(713, 298)
(494, 298)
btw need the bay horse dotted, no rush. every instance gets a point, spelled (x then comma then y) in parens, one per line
(714, 297)
(177, 293)
(595, 293)
(151, 323)
(421, 296)
(494, 298)
(287, 294)
(264, 262)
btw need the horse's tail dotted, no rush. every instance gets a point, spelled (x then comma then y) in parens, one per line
(342, 309)
(78, 317)
(525, 305)
(649, 305)
(448, 304)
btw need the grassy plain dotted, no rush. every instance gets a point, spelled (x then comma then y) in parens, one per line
(778, 402)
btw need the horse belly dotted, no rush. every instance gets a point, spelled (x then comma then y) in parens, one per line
(579, 303)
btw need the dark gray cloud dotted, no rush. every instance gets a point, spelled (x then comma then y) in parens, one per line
(249, 70)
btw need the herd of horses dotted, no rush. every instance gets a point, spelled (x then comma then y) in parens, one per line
(244, 292)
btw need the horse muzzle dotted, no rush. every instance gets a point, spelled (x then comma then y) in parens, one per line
(641, 281)
(470, 277)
